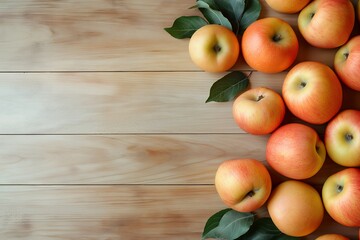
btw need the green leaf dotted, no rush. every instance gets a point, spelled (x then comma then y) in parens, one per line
(232, 225)
(211, 3)
(251, 14)
(264, 228)
(228, 87)
(214, 221)
(184, 27)
(213, 16)
(233, 10)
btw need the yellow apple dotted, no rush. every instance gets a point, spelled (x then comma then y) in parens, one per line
(342, 138)
(327, 23)
(243, 184)
(347, 63)
(287, 6)
(295, 208)
(295, 151)
(214, 48)
(312, 92)
(259, 110)
(341, 196)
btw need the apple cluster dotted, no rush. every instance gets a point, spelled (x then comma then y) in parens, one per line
(312, 92)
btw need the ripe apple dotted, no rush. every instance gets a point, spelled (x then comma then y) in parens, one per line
(332, 237)
(342, 138)
(312, 92)
(259, 110)
(327, 23)
(269, 45)
(295, 151)
(214, 48)
(295, 208)
(347, 63)
(243, 184)
(292, 6)
(341, 197)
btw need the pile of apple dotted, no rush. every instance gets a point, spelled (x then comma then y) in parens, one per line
(313, 93)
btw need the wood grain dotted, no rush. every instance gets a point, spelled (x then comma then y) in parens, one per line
(113, 212)
(130, 159)
(106, 35)
(104, 130)
(125, 102)
(125, 159)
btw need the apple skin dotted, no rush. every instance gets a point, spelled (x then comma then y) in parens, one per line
(214, 48)
(347, 63)
(342, 138)
(312, 92)
(341, 197)
(292, 6)
(332, 237)
(295, 151)
(243, 184)
(259, 110)
(295, 208)
(269, 45)
(327, 23)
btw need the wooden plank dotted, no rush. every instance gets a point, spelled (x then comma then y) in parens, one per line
(103, 35)
(130, 159)
(124, 102)
(125, 159)
(114, 212)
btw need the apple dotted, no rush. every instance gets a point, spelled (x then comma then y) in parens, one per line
(312, 92)
(295, 208)
(243, 184)
(292, 6)
(295, 151)
(269, 45)
(342, 138)
(327, 23)
(332, 237)
(341, 196)
(214, 48)
(259, 110)
(347, 63)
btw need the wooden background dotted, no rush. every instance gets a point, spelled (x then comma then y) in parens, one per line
(105, 133)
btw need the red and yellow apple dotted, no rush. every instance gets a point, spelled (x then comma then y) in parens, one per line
(292, 6)
(295, 208)
(269, 45)
(259, 110)
(342, 138)
(341, 197)
(347, 63)
(327, 23)
(312, 92)
(295, 151)
(214, 48)
(332, 236)
(243, 184)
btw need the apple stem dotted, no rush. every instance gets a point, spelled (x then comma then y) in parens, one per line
(303, 84)
(259, 98)
(250, 194)
(346, 55)
(312, 15)
(348, 137)
(339, 188)
(277, 38)
(217, 48)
